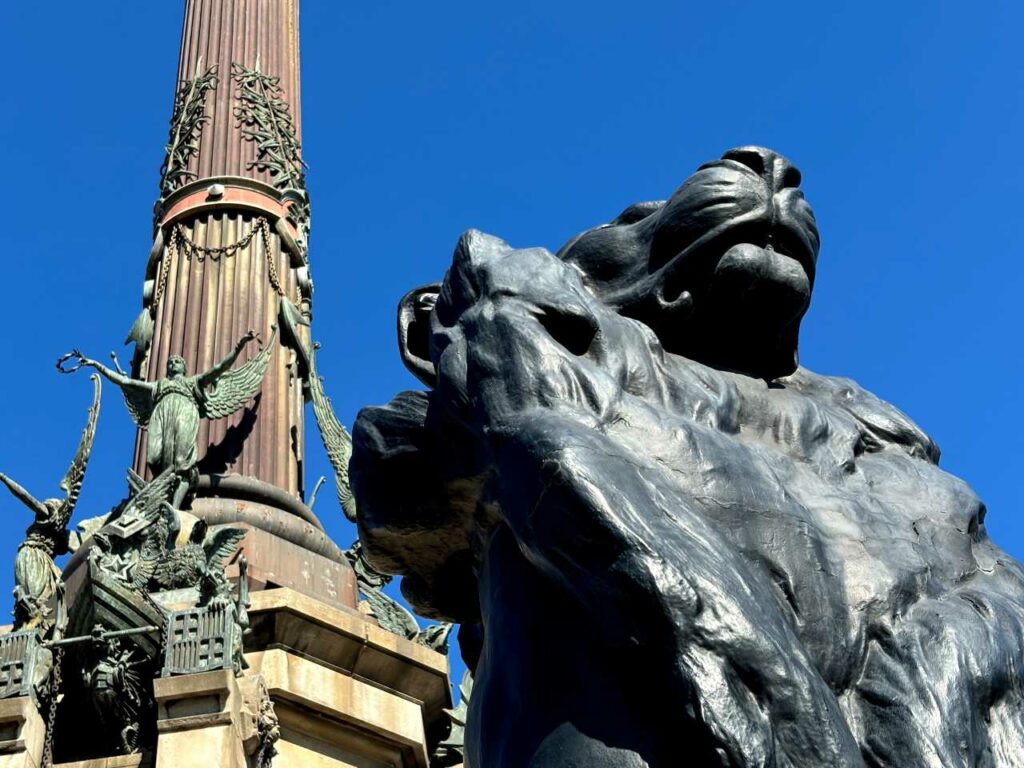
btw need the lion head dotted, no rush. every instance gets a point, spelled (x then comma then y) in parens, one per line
(722, 271)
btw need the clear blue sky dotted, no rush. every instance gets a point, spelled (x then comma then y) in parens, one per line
(534, 120)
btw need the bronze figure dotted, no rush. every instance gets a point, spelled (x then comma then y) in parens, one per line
(170, 408)
(38, 587)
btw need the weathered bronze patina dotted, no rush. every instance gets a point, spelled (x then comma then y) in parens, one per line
(170, 408)
(38, 591)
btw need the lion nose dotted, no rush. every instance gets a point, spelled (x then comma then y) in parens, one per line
(776, 170)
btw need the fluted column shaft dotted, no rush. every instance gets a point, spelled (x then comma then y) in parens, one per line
(225, 32)
(202, 301)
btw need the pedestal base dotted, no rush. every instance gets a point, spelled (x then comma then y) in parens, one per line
(22, 733)
(345, 690)
(345, 693)
(199, 721)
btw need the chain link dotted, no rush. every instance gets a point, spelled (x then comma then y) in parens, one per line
(165, 268)
(56, 683)
(193, 250)
(275, 279)
(181, 243)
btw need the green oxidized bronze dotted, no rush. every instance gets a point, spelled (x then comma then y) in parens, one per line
(336, 439)
(119, 689)
(131, 541)
(137, 553)
(170, 408)
(452, 750)
(186, 123)
(38, 590)
(210, 634)
(199, 563)
(215, 591)
(264, 118)
(268, 727)
(389, 613)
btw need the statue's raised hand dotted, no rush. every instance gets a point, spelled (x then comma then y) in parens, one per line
(250, 335)
(82, 360)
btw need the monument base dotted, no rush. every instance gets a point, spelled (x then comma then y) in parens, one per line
(344, 693)
(22, 733)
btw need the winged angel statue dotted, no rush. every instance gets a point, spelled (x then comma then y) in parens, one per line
(38, 586)
(170, 408)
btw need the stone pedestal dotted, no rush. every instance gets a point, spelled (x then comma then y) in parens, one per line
(22, 733)
(346, 692)
(199, 721)
(119, 761)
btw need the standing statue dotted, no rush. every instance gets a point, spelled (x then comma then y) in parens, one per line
(684, 548)
(170, 408)
(38, 591)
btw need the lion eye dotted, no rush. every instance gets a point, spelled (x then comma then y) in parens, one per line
(573, 331)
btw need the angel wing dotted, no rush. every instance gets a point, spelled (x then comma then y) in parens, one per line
(141, 332)
(139, 397)
(157, 518)
(149, 557)
(73, 478)
(337, 441)
(235, 388)
(222, 545)
(147, 504)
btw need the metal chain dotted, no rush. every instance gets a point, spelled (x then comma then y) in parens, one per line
(180, 240)
(275, 279)
(56, 683)
(192, 249)
(165, 268)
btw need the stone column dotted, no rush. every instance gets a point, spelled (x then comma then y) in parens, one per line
(230, 254)
(223, 34)
(233, 164)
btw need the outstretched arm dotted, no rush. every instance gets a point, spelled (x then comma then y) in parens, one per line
(22, 495)
(210, 377)
(119, 379)
(138, 394)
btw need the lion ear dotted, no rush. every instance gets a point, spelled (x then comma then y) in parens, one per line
(414, 331)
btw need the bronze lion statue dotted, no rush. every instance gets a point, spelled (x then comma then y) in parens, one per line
(680, 547)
